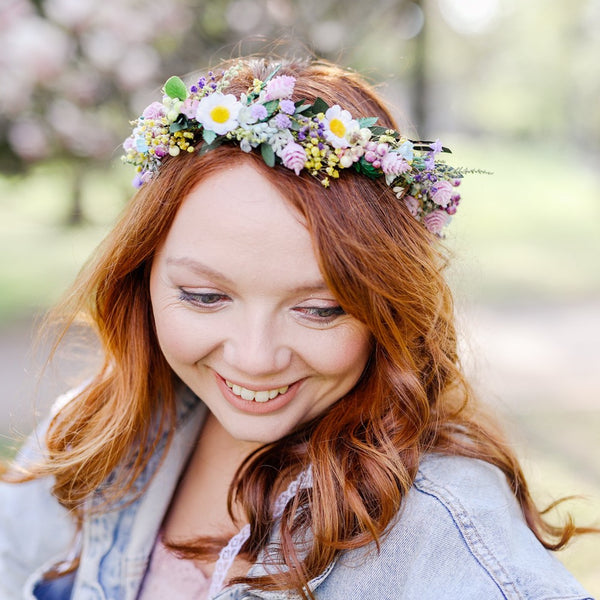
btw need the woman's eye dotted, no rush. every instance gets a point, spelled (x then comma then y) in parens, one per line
(202, 299)
(325, 313)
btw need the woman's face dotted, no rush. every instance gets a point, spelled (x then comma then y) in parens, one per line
(242, 313)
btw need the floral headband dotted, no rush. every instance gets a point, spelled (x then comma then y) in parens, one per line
(323, 140)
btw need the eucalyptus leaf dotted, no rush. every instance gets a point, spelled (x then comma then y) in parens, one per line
(175, 88)
(209, 136)
(181, 123)
(367, 121)
(208, 147)
(267, 154)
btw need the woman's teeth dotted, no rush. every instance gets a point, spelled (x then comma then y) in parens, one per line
(250, 395)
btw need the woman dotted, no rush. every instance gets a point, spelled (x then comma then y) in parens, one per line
(280, 411)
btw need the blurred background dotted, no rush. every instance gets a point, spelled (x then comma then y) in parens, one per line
(512, 87)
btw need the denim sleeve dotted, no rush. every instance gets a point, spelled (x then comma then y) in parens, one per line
(34, 528)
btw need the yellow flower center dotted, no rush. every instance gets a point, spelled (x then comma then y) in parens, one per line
(219, 114)
(337, 127)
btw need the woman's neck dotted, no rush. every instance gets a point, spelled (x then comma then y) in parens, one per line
(199, 506)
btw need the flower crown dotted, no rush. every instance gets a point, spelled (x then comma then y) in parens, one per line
(319, 138)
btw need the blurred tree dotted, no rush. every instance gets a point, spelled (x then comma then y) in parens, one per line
(71, 72)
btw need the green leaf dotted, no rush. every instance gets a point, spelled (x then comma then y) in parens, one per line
(271, 106)
(319, 106)
(209, 136)
(272, 74)
(180, 123)
(301, 107)
(366, 168)
(367, 121)
(175, 88)
(267, 154)
(377, 131)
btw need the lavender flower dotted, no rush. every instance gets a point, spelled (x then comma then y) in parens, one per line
(287, 107)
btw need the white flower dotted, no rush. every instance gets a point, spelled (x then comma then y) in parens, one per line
(339, 124)
(218, 112)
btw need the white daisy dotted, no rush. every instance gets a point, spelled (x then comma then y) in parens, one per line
(218, 112)
(339, 124)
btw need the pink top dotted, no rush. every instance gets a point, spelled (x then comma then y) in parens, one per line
(171, 577)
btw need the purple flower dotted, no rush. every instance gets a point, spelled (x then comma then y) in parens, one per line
(442, 193)
(287, 107)
(282, 121)
(280, 87)
(293, 157)
(430, 162)
(436, 146)
(258, 112)
(141, 178)
(436, 221)
(156, 110)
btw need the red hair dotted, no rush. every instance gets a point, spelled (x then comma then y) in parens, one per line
(384, 268)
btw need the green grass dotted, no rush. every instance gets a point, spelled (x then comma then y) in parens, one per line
(531, 230)
(42, 254)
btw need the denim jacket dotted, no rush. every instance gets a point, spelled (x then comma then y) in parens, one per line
(459, 535)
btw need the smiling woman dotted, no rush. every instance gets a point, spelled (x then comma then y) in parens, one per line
(281, 410)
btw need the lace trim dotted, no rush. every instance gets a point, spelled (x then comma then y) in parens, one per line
(233, 547)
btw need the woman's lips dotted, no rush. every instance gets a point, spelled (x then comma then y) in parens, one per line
(256, 401)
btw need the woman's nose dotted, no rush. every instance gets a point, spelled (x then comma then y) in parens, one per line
(256, 347)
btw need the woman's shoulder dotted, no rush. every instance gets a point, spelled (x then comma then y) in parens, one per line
(460, 533)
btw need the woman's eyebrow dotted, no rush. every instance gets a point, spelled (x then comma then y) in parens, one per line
(310, 287)
(198, 268)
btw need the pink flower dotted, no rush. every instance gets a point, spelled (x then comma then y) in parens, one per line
(293, 157)
(156, 110)
(280, 87)
(161, 151)
(129, 144)
(442, 193)
(189, 107)
(394, 164)
(413, 205)
(436, 221)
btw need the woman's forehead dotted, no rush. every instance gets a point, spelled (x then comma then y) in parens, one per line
(238, 223)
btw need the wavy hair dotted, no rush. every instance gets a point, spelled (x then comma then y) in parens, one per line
(384, 268)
